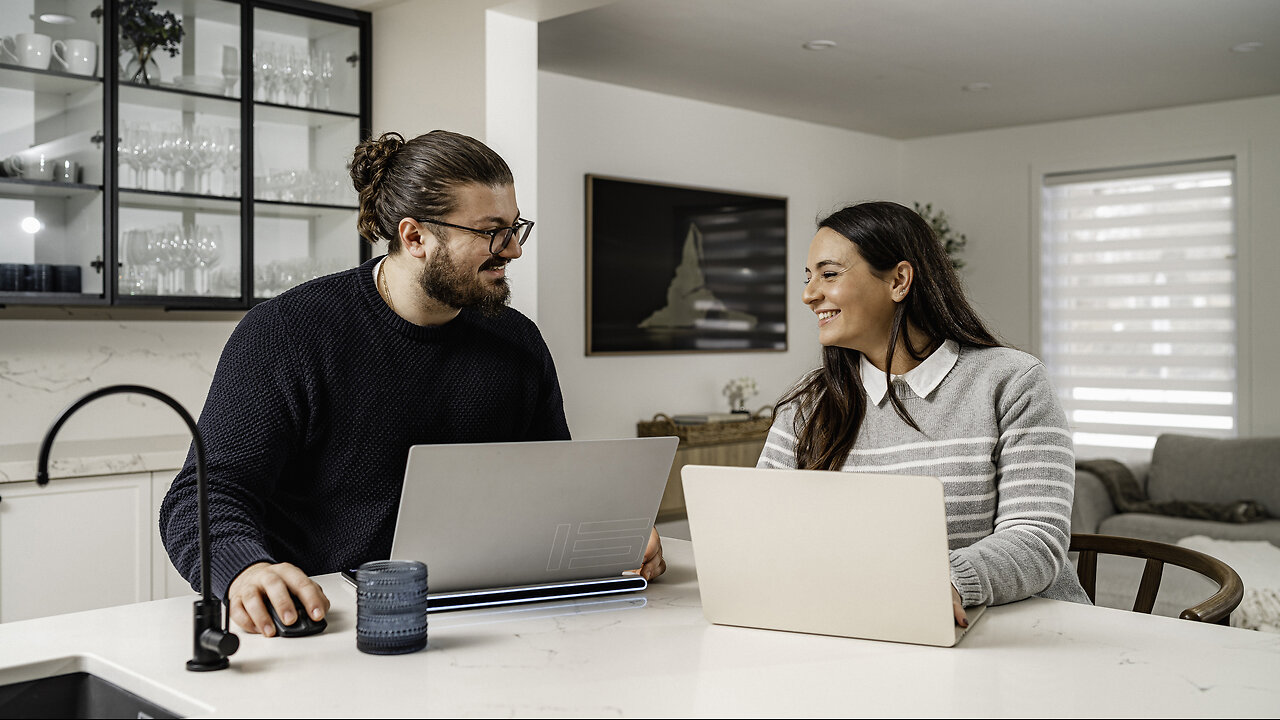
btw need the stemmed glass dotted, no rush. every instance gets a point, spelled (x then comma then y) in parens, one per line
(207, 253)
(307, 80)
(140, 272)
(264, 72)
(326, 74)
(135, 151)
(229, 163)
(203, 155)
(167, 250)
(170, 157)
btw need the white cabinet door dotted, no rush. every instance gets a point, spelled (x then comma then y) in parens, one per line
(165, 580)
(75, 544)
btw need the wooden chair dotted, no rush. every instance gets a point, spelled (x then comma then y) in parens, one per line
(1216, 609)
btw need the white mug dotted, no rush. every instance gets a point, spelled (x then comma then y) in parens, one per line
(33, 50)
(39, 167)
(78, 57)
(13, 166)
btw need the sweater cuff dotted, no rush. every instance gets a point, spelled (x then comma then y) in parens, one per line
(965, 579)
(230, 559)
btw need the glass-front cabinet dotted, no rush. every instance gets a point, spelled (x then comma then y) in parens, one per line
(51, 152)
(306, 89)
(226, 184)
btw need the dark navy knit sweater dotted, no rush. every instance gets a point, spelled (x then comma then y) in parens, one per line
(317, 397)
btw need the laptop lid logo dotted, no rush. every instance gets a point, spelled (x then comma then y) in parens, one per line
(597, 543)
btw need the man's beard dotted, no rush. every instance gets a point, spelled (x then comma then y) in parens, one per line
(443, 281)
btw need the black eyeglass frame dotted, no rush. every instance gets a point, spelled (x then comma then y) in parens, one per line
(521, 229)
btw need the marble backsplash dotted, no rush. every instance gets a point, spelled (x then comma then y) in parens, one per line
(47, 364)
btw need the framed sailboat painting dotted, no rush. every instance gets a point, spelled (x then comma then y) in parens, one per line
(674, 269)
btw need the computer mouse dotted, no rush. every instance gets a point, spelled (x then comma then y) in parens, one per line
(301, 627)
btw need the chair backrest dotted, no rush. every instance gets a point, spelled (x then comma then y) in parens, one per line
(1216, 609)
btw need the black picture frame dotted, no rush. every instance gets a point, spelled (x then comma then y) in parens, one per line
(677, 269)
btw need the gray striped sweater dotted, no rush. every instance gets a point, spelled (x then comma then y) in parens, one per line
(995, 434)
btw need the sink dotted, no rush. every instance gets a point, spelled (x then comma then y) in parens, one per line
(86, 686)
(75, 695)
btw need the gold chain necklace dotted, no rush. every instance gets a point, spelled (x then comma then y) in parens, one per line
(386, 291)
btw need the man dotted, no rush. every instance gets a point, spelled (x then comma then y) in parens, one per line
(320, 391)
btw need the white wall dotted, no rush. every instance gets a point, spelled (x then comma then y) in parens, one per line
(590, 127)
(46, 365)
(985, 181)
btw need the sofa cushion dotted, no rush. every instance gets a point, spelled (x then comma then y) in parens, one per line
(1185, 467)
(1165, 529)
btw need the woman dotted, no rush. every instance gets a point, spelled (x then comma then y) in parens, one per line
(912, 382)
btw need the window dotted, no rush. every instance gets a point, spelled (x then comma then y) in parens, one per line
(1138, 303)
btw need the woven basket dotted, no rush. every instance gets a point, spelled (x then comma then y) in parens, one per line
(712, 433)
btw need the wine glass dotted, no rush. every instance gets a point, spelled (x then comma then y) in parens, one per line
(230, 68)
(307, 75)
(229, 162)
(208, 252)
(326, 74)
(264, 63)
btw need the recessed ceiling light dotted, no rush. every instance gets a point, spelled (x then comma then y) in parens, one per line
(976, 86)
(31, 225)
(1247, 47)
(819, 44)
(57, 19)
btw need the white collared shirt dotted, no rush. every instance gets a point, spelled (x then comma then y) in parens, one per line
(922, 379)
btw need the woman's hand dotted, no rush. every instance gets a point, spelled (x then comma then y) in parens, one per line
(653, 565)
(958, 607)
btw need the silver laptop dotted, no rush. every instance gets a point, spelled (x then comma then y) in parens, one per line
(831, 553)
(501, 523)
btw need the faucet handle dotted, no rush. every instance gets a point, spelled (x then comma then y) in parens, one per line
(218, 641)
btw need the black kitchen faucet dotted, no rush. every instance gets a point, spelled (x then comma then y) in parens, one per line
(213, 643)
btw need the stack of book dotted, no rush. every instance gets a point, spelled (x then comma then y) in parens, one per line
(715, 417)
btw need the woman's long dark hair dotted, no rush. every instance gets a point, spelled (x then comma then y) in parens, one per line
(830, 402)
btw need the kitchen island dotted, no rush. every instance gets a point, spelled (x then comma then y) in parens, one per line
(653, 654)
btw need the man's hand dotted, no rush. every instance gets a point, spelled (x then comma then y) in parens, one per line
(653, 565)
(261, 583)
(958, 607)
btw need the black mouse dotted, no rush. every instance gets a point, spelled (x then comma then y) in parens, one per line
(301, 627)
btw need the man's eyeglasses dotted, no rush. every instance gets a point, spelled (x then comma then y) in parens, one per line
(499, 238)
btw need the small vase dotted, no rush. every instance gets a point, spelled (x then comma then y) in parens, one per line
(142, 68)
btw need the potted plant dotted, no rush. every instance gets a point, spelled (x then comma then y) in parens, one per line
(143, 31)
(739, 390)
(952, 242)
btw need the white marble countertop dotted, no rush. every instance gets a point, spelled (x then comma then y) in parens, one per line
(86, 458)
(655, 655)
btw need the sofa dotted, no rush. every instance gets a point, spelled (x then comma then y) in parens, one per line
(1187, 468)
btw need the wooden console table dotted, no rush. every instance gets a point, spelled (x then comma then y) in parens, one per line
(717, 443)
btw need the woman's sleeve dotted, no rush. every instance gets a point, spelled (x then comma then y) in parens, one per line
(1035, 485)
(780, 445)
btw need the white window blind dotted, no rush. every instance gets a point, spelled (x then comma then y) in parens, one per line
(1138, 305)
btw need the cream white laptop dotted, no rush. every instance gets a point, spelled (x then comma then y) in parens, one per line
(831, 553)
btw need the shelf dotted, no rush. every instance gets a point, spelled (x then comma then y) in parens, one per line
(16, 77)
(174, 98)
(275, 208)
(23, 188)
(160, 200)
(50, 298)
(294, 115)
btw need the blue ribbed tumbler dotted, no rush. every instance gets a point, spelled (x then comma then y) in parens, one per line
(391, 607)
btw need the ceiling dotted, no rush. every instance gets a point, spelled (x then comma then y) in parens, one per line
(899, 66)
